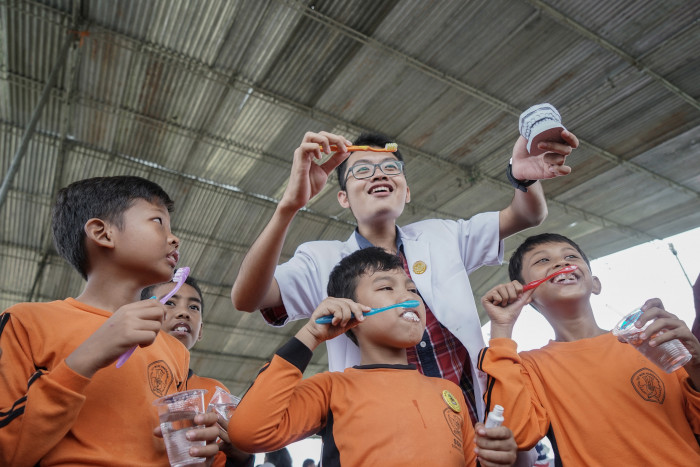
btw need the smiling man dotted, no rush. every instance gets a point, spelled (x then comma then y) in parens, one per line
(437, 255)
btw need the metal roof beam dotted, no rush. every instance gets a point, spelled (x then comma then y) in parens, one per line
(242, 85)
(472, 91)
(34, 119)
(68, 113)
(587, 216)
(610, 47)
(232, 189)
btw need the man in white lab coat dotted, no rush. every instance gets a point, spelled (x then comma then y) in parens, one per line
(437, 254)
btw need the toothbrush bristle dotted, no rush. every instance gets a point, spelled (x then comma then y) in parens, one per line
(391, 147)
(181, 274)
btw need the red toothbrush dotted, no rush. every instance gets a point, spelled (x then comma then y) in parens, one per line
(564, 270)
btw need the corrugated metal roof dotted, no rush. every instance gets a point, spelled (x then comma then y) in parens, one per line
(210, 99)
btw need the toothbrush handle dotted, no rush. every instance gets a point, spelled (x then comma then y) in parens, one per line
(407, 304)
(125, 356)
(329, 318)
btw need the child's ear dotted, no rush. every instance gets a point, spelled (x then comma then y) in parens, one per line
(99, 232)
(408, 195)
(201, 329)
(597, 286)
(343, 199)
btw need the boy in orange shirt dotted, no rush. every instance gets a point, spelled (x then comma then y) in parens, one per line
(62, 401)
(381, 412)
(183, 320)
(600, 401)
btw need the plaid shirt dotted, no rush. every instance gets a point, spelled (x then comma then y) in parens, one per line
(442, 355)
(439, 353)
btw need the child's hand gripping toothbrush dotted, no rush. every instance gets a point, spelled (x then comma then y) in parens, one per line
(497, 301)
(179, 278)
(407, 304)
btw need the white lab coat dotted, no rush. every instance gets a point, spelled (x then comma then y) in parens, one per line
(450, 250)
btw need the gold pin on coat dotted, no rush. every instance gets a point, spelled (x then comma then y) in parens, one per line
(451, 401)
(419, 267)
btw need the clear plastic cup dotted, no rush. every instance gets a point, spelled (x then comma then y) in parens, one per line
(225, 409)
(176, 413)
(668, 356)
(223, 403)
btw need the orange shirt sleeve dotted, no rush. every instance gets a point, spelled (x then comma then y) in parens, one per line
(34, 404)
(510, 386)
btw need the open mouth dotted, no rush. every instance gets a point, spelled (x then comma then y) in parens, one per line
(569, 278)
(382, 188)
(182, 328)
(173, 257)
(410, 315)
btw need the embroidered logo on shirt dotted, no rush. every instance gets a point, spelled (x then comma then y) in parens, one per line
(649, 385)
(160, 377)
(419, 267)
(451, 401)
(454, 421)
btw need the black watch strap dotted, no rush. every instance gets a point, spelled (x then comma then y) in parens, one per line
(519, 184)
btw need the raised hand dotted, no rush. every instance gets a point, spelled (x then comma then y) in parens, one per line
(307, 178)
(672, 327)
(342, 309)
(134, 324)
(549, 164)
(503, 304)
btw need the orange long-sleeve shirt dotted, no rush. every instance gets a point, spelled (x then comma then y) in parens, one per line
(388, 415)
(606, 403)
(52, 415)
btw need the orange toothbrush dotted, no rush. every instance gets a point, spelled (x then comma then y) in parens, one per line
(388, 147)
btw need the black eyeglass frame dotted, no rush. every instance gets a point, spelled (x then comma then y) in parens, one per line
(351, 170)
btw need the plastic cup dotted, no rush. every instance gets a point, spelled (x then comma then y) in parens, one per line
(225, 409)
(668, 356)
(176, 413)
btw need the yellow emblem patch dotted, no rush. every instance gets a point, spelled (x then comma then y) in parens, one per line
(451, 401)
(419, 267)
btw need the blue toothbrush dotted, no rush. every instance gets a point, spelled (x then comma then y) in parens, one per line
(407, 304)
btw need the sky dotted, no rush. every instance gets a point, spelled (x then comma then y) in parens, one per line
(629, 278)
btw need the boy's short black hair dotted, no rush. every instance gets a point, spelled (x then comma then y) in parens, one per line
(515, 264)
(342, 282)
(148, 291)
(104, 198)
(366, 139)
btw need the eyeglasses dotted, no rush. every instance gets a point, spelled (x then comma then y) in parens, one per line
(366, 170)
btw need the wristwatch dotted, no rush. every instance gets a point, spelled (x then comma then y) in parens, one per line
(519, 184)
